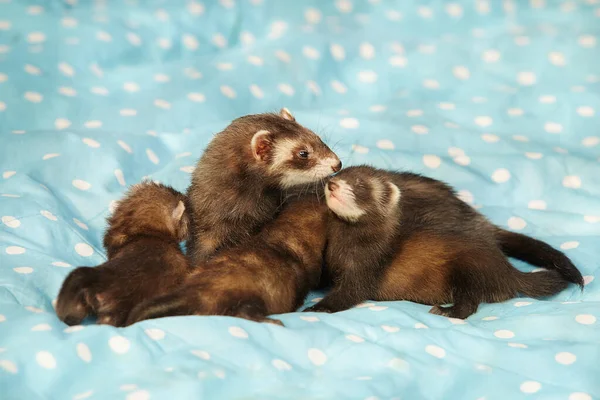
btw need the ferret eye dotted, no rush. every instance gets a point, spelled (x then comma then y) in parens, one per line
(303, 154)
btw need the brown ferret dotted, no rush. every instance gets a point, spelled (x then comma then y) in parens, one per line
(239, 181)
(144, 258)
(402, 236)
(269, 274)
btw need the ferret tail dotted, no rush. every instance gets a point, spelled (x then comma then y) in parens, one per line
(538, 253)
(169, 305)
(74, 301)
(540, 284)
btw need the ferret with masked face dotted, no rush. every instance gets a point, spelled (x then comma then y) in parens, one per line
(144, 258)
(403, 236)
(240, 180)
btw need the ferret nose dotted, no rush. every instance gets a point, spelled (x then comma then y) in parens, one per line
(332, 186)
(337, 167)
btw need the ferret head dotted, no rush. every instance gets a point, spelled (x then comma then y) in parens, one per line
(361, 193)
(149, 209)
(287, 152)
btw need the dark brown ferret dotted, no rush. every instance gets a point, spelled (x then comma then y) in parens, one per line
(144, 258)
(269, 274)
(240, 179)
(402, 236)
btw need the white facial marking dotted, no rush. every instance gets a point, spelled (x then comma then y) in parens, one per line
(342, 202)
(283, 152)
(178, 211)
(395, 196)
(257, 136)
(322, 170)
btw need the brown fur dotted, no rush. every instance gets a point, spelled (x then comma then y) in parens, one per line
(269, 274)
(234, 192)
(144, 258)
(430, 248)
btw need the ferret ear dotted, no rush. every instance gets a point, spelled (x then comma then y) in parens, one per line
(394, 195)
(286, 114)
(178, 212)
(261, 144)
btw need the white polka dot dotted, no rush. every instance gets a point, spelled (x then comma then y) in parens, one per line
(501, 175)
(569, 245)
(256, 91)
(255, 60)
(192, 73)
(160, 103)
(483, 121)
(195, 8)
(8, 366)
(188, 169)
(466, 196)
(219, 40)
(461, 72)
(517, 345)
(34, 309)
(83, 351)
(420, 325)
(526, 78)
(316, 356)
(504, 334)
(91, 142)
(490, 318)
(50, 156)
(196, 97)
(10, 221)
(553, 127)
(587, 41)
(398, 61)
(414, 113)
(138, 395)
(220, 374)
(419, 129)
(339, 87)
(385, 144)
(377, 108)
(367, 76)
(5, 25)
(286, 89)
(561, 150)
(93, 124)
(238, 332)
(36, 37)
(281, 365)
(45, 359)
(580, 395)
(431, 84)
(314, 87)
(33, 97)
(572, 182)
(547, 99)
(516, 223)
(228, 91)
(425, 12)
(119, 344)
(349, 123)
(80, 224)
(312, 15)
(4, 49)
(32, 70)
(585, 111)
(490, 138)
(522, 303)
(592, 219)
(454, 10)
(537, 205)
(120, 177)
(591, 141)
(128, 112)
(311, 52)
(152, 157)
(337, 52)
(83, 395)
(355, 338)
(432, 161)
(309, 318)
(588, 279)
(84, 249)
(66, 69)
(435, 351)
(490, 56)
(390, 329)
(556, 58)
(367, 51)
(62, 123)
(103, 36)
(8, 174)
(344, 6)
(23, 270)
(74, 328)
(277, 29)
(522, 40)
(155, 333)
(530, 387)
(360, 149)
(585, 319)
(15, 250)
(565, 358)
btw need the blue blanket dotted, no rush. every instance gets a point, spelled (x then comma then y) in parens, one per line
(499, 98)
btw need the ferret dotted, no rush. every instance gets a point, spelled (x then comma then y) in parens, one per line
(240, 179)
(144, 258)
(402, 236)
(269, 274)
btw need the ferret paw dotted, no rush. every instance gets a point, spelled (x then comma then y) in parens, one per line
(319, 308)
(272, 321)
(439, 310)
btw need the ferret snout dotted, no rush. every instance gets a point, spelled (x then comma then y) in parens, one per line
(337, 167)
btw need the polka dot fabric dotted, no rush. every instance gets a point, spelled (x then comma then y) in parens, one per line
(499, 98)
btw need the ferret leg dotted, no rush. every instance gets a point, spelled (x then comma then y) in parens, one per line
(254, 309)
(458, 310)
(346, 293)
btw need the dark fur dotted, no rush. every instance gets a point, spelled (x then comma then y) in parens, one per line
(431, 248)
(144, 258)
(233, 194)
(269, 274)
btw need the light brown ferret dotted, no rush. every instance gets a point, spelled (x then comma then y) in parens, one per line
(144, 258)
(269, 274)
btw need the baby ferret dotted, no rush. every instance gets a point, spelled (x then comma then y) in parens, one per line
(271, 273)
(402, 236)
(144, 258)
(240, 179)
